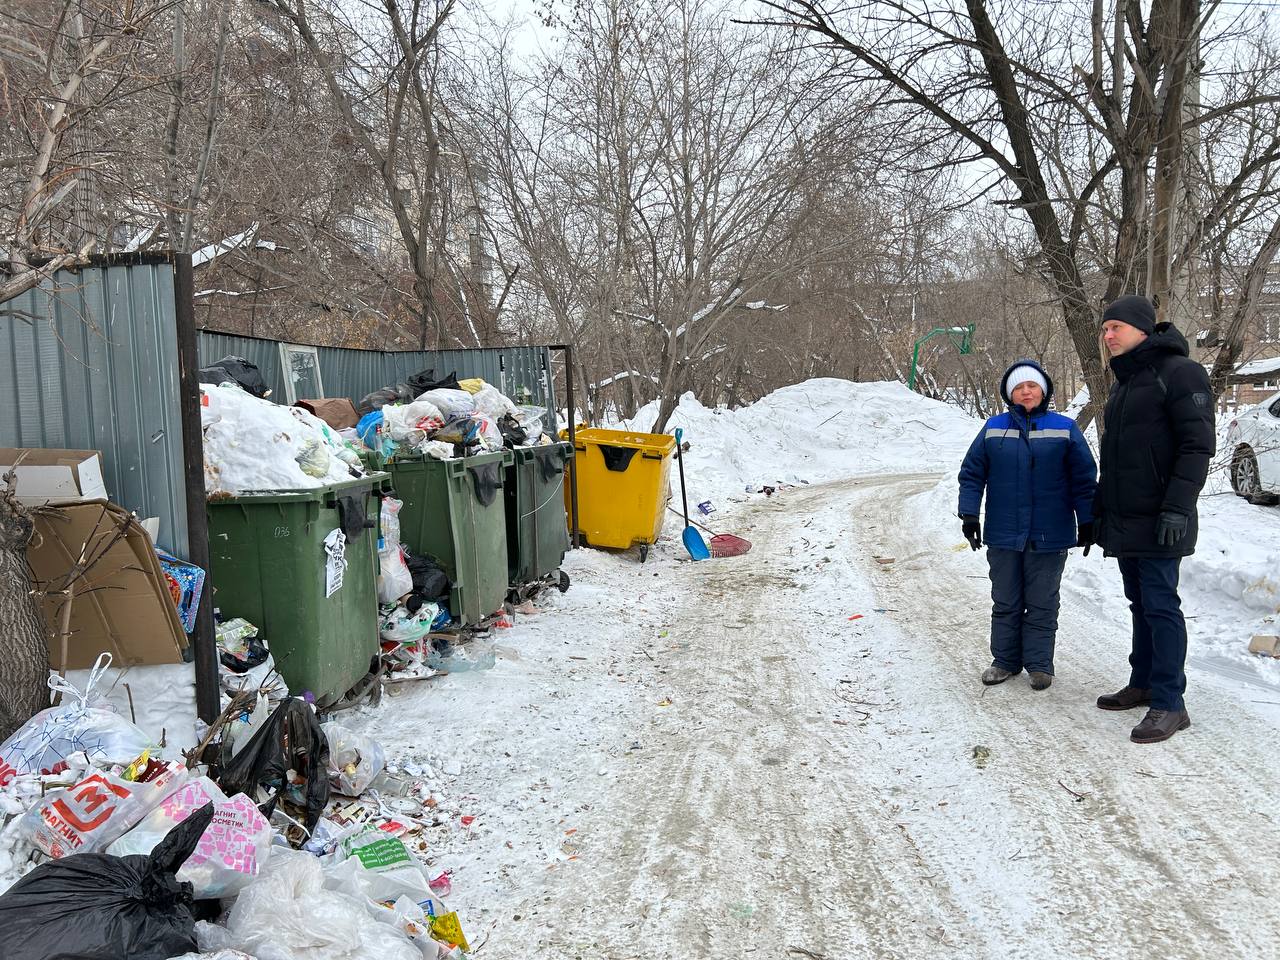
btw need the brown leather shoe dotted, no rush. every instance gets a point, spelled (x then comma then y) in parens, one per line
(1160, 725)
(1125, 699)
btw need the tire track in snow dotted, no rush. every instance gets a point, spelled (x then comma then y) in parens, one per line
(766, 810)
(748, 829)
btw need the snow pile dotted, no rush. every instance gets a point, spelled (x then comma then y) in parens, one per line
(256, 445)
(814, 432)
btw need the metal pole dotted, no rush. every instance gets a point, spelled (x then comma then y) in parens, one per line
(575, 537)
(204, 646)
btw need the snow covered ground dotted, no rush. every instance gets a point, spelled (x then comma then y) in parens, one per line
(789, 753)
(743, 756)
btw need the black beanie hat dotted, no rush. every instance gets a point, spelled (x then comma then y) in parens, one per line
(1134, 310)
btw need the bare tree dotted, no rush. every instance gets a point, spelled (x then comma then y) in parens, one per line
(24, 669)
(1070, 145)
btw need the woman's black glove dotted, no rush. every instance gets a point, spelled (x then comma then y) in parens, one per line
(972, 531)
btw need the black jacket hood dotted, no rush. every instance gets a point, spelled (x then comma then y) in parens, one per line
(1004, 387)
(1166, 340)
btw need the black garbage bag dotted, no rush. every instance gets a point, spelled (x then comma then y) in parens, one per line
(430, 582)
(513, 434)
(255, 655)
(93, 906)
(291, 739)
(400, 393)
(237, 370)
(426, 380)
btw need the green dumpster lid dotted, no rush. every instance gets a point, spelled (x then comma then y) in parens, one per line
(303, 496)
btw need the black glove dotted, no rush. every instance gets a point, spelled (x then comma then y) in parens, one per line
(972, 531)
(1170, 528)
(1085, 536)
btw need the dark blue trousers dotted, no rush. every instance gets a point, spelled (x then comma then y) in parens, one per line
(1024, 607)
(1159, 632)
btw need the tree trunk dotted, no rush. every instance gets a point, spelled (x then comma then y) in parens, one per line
(24, 665)
(1246, 307)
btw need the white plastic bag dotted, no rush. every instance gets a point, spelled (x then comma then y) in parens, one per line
(491, 402)
(43, 743)
(354, 759)
(436, 450)
(394, 578)
(381, 886)
(287, 914)
(450, 403)
(530, 420)
(89, 816)
(231, 851)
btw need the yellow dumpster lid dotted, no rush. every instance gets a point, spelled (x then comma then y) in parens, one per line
(654, 442)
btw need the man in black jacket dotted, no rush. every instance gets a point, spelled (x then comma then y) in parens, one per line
(1157, 441)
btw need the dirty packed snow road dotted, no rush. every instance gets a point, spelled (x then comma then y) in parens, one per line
(830, 780)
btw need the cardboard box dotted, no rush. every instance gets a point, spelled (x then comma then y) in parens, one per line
(57, 476)
(337, 412)
(122, 604)
(1267, 644)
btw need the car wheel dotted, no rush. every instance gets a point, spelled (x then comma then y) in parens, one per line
(1245, 480)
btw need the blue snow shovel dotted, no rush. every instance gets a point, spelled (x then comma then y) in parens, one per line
(693, 541)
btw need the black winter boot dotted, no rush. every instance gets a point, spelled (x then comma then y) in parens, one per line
(1125, 699)
(1160, 725)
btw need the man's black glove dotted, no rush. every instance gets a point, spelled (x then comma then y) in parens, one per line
(972, 531)
(1170, 528)
(1085, 537)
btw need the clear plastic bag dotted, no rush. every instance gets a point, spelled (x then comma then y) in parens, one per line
(313, 459)
(354, 759)
(288, 914)
(491, 402)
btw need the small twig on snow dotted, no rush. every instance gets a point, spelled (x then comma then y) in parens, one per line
(1078, 796)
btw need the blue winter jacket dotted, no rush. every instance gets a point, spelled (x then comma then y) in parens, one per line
(1037, 472)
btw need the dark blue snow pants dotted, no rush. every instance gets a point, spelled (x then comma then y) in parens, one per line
(1024, 607)
(1159, 631)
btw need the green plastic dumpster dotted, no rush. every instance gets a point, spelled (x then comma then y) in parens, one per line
(537, 531)
(455, 513)
(269, 564)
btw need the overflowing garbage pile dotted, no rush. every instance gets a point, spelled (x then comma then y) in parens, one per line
(279, 836)
(252, 444)
(445, 419)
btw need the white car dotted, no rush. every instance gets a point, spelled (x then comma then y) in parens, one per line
(1254, 441)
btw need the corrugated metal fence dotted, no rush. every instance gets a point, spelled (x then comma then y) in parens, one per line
(89, 361)
(343, 372)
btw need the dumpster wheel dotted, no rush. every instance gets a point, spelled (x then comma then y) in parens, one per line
(563, 583)
(644, 552)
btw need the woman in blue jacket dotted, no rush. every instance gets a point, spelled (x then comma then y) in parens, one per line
(1039, 478)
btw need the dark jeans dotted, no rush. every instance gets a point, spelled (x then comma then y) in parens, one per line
(1024, 607)
(1159, 632)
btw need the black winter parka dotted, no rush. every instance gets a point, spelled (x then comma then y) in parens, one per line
(1156, 446)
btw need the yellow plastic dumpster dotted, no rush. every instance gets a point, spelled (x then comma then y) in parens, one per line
(623, 486)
